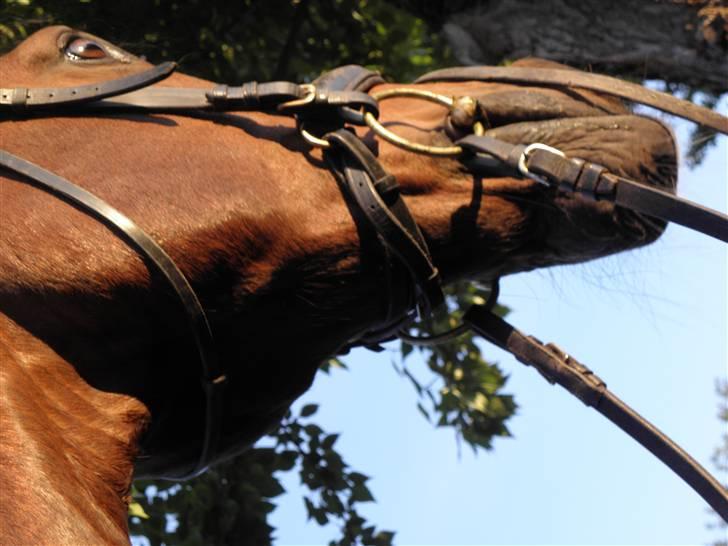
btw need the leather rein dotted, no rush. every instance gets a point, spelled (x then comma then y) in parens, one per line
(323, 110)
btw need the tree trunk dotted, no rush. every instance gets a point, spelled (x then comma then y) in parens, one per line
(678, 41)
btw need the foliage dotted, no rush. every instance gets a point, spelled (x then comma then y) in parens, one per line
(465, 393)
(230, 503)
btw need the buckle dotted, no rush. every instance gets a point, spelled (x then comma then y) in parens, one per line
(309, 96)
(523, 161)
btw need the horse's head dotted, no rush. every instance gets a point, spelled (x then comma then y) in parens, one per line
(259, 225)
(520, 225)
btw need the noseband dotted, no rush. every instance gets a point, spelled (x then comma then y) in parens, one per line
(323, 111)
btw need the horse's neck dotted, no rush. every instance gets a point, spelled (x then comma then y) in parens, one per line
(271, 251)
(50, 416)
(270, 247)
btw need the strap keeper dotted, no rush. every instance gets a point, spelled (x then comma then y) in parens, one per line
(18, 97)
(218, 95)
(387, 188)
(588, 179)
(249, 95)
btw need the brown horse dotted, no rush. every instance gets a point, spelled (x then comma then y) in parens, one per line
(99, 376)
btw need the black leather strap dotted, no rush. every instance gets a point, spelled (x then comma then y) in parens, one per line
(23, 98)
(350, 77)
(652, 201)
(342, 93)
(505, 152)
(275, 97)
(387, 213)
(213, 380)
(595, 182)
(561, 77)
(558, 367)
(253, 95)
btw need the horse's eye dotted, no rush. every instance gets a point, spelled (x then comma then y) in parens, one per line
(80, 49)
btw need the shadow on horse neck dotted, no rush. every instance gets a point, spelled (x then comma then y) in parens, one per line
(100, 378)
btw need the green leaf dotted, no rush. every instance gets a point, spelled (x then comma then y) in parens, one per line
(287, 460)
(357, 477)
(328, 365)
(137, 510)
(310, 508)
(329, 441)
(320, 516)
(314, 431)
(308, 410)
(384, 538)
(361, 493)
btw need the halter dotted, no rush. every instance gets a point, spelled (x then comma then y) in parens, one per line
(323, 110)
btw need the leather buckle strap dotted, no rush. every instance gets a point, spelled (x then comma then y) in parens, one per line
(553, 168)
(506, 153)
(558, 367)
(392, 221)
(255, 96)
(595, 182)
(550, 361)
(645, 199)
(21, 99)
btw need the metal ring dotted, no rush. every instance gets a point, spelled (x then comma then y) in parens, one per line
(314, 141)
(444, 100)
(393, 138)
(523, 167)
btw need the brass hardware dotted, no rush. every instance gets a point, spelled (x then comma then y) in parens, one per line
(314, 141)
(443, 100)
(310, 90)
(523, 161)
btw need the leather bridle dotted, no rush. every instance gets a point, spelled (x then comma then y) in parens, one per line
(323, 111)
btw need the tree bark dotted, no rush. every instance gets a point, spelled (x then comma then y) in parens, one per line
(678, 41)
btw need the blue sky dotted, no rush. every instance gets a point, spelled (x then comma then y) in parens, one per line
(651, 323)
